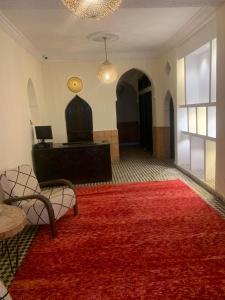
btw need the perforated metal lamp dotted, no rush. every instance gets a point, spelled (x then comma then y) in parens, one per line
(107, 73)
(92, 9)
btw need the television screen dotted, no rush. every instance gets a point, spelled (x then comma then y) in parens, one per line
(43, 132)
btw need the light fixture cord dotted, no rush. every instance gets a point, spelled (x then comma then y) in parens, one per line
(106, 54)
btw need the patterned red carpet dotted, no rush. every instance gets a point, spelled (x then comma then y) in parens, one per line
(141, 241)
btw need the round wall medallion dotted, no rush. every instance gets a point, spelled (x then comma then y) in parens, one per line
(75, 84)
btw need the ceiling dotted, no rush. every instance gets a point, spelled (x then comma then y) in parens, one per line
(143, 26)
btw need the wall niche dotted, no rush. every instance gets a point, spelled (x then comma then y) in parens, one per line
(79, 123)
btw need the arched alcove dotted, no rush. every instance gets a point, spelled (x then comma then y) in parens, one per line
(31, 94)
(32, 101)
(33, 108)
(79, 122)
(134, 96)
(168, 68)
(170, 121)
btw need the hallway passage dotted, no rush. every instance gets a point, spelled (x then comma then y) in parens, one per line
(138, 165)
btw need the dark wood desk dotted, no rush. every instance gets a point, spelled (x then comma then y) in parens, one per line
(79, 163)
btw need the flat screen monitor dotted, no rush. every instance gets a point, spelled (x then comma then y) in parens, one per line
(43, 132)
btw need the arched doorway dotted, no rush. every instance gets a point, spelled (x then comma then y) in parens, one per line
(134, 110)
(127, 114)
(171, 124)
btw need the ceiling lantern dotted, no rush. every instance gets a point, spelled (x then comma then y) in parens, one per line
(107, 72)
(92, 9)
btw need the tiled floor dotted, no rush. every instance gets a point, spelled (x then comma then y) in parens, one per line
(135, 165)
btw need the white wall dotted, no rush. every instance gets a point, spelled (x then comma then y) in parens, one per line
(197, 75)
(220, 167)
(101, 97)
(214, 70)
(168, 85)
(192, 84)
(16, 68)
(183, 156)
(208, 32)
(169, 82)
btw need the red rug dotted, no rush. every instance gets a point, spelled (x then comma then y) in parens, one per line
(155, 240)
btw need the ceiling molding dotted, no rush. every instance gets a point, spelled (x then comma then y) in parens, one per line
(17, 36)
(25, 43)
(113, 56)
(57, 4)
(170, 3)
(198, 21)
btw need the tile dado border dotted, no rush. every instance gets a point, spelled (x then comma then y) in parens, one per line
(161, 142)
(111, 136)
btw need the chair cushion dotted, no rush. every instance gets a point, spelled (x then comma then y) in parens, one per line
(61, 198)
(2, 196)
(4, 294)
(18, 182)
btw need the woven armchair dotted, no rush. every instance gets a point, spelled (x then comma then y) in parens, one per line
(44, 202)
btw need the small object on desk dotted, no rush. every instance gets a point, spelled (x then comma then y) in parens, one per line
(43, 145)
(12, 222)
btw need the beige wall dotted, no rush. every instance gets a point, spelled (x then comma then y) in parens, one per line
(168, 83)
(101, 97)
(220, 167)
(16, 67)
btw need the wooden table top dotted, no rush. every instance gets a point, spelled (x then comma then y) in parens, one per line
(12, 221)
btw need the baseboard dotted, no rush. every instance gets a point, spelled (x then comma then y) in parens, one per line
(201, 183)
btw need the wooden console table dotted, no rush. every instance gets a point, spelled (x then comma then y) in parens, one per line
(79, 162)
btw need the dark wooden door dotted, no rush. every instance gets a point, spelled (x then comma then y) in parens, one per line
(145, 108)
(79, 120)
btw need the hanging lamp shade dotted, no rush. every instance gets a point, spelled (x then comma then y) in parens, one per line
(107, 73)
(92, 9)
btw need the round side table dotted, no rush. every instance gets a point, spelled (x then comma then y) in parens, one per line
(12, 222)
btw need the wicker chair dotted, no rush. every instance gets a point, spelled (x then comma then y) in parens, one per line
(43, 203)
